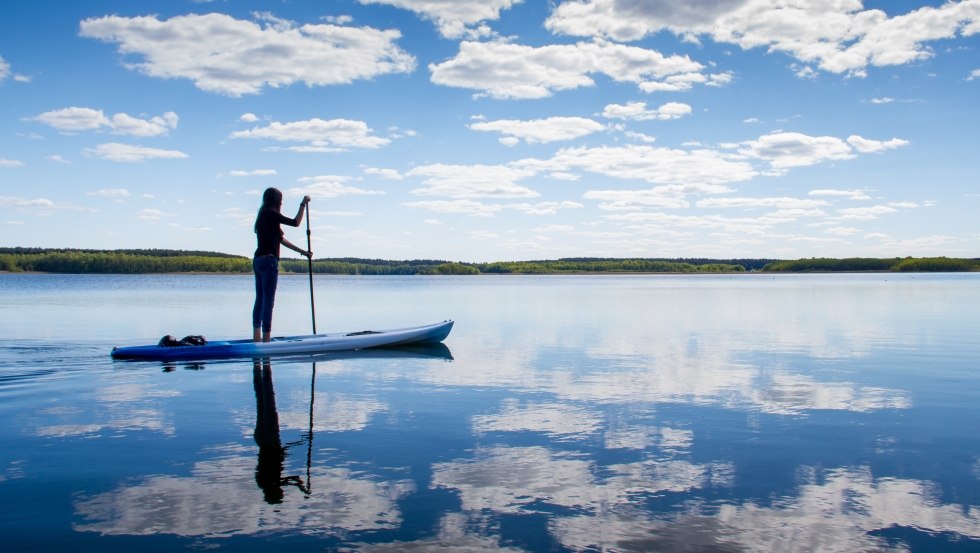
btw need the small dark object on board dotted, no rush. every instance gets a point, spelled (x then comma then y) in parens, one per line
(169, 341)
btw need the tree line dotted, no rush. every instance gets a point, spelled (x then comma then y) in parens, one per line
(863, 264)
(183, 261)
(120, 261)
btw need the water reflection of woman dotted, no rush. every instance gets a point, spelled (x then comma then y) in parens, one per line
(272, 455)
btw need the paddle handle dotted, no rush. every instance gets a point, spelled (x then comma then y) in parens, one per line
(309, 261)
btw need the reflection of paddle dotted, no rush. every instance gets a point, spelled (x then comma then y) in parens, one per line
(309, 437)
(308, 486)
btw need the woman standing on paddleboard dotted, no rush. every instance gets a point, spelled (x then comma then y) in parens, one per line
(266, 262)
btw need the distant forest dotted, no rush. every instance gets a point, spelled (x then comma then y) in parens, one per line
(860, 264)
(181, 261)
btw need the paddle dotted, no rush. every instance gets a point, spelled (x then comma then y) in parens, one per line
(309, 437)
(309, 261)
(309, 443)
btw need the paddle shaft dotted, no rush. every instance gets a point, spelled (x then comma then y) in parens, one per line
(309, 261)
(309, 438)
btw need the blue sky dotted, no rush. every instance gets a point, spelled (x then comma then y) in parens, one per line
(483, 130)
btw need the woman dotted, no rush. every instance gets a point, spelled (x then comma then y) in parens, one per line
(266, 261)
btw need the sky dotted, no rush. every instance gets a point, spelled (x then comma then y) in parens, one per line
(495, 130)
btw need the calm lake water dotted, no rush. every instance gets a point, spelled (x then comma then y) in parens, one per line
(565, 413)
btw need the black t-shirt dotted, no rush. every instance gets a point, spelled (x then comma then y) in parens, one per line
(268, 232)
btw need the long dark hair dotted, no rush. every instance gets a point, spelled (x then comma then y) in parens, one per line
(271, 199)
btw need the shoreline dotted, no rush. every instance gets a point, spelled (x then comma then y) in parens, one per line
(557, 273)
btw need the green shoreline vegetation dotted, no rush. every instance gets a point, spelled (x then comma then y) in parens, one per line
(48, 260)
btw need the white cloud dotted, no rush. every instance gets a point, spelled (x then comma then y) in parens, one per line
(253, 173)
(74, 119)
(57, 158)
(544, 208)
(4, 162)
(638, 111)
(389, 174)
(614, 200)
(329, 186)
(850, 194)
(867, 146)
(110, 193)
(746, 225)
(153, 214)
(5, 73)
(883, 100)
(339, 19)
(85, 119)
(865, 213)
(804, 72)
(778, 203)
(228, 56)
(697, 169)
(923, 246)
(12, 201)
(473, 181)
(975, 74)
(677, 172)
(505, 70)
(454, 18)
(248, 118)
(551, 129)
(842, 231)
(836, 35)
(40, 206)
(479, 209)
(685, 81)
(640, 137)
(789, 214)
(554, 228)
(307, 149)
(134, 126)
(464, 207)
(789, 149)
(483, 235)
(321, 135)
(562, 175)
(114, 151)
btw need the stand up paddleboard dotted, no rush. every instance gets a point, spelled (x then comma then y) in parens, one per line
(313, 343)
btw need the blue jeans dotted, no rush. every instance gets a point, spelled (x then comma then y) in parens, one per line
(266, 270)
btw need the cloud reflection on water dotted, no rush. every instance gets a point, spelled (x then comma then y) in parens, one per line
(843, 512)
(679, 379)
(118, 408)
(220, 498)
(524, 479)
